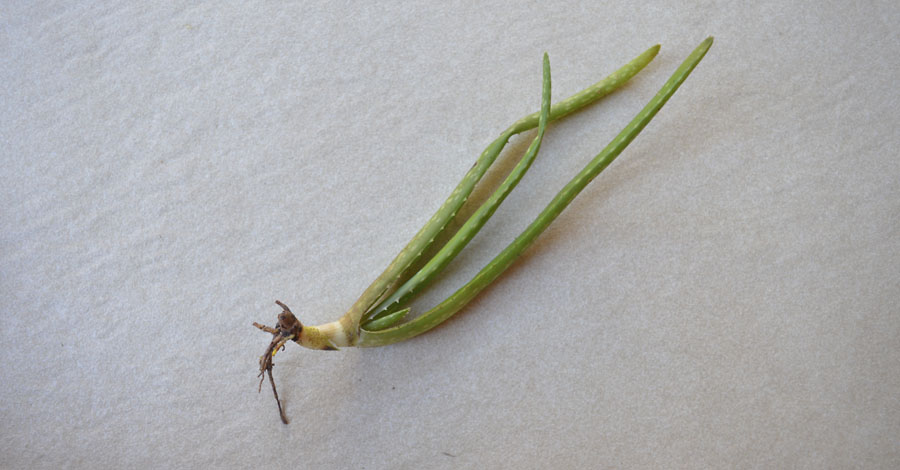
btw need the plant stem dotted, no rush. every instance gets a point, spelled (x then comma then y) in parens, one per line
(501, 262)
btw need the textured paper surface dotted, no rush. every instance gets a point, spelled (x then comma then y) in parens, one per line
(723, 296)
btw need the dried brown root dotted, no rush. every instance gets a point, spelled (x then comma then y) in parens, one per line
(287, 329)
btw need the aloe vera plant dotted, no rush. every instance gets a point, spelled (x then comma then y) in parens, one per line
(381, 315)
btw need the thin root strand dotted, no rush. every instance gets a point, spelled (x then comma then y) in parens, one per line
(280, 409)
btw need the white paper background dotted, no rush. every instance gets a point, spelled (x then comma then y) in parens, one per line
(723, 296)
